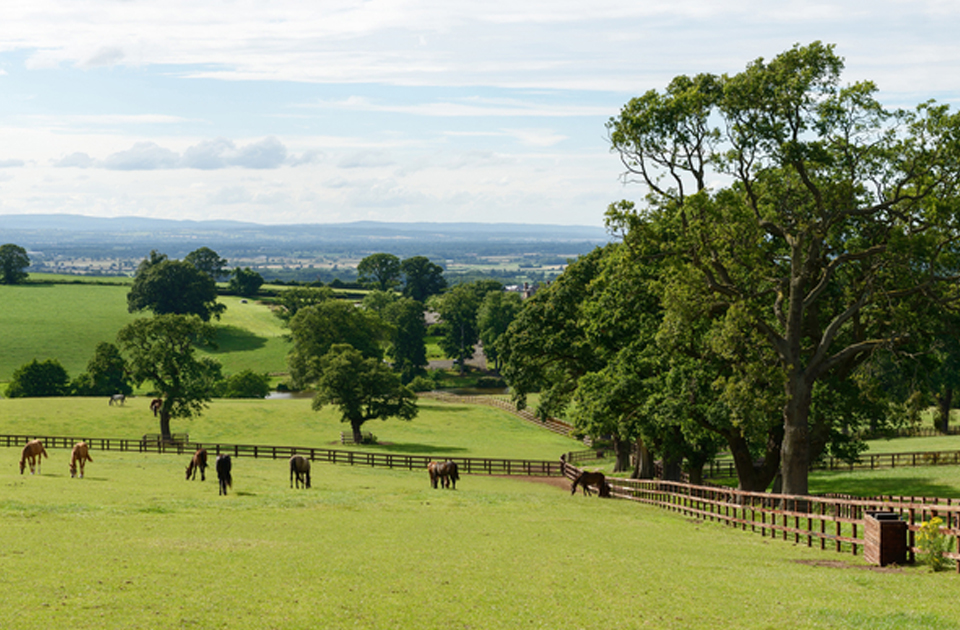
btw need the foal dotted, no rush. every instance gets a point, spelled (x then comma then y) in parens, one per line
(32, 452)
(223, 473)
(198, 461)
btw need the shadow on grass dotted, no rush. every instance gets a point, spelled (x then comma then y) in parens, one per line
(234, 339)
(864, 487)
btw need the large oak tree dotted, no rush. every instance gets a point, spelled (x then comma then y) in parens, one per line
(805, 215)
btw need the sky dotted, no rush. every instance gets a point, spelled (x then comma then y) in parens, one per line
(332, 111)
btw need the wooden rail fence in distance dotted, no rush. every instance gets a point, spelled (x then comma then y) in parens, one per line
(468, 465)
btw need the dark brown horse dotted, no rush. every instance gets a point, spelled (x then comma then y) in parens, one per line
(198, 462)
(32, 452)
(155, 405)
(300, 471)
(586, 479)
(444, 474)
(79, 455)
(223, 473)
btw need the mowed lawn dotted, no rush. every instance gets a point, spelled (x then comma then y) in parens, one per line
(66, 322)
(134, 545)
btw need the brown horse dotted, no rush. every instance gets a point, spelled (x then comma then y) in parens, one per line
(586, 479)
(198, 462)
(79, 455)
(300, 470)
(32, 452)
(155, 405)
(444, 473)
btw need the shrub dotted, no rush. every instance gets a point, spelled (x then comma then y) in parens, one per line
(39, 378)
(246, 384)
(490, 382)
(422, 384)
(933, 543)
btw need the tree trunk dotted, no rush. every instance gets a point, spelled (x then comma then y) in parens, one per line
(622, 450)
(696, 475)
(795, 453)
(672, 468)
(357, 435)
(946, 402)
(644, 464)
(752, 478)
(165, 424)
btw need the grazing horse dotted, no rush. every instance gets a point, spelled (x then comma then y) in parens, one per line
(155, 405)
(32, 452)
(79, 455)
(586, 478)
(223, 473)
(300, 469)
(443, 472)
(198, 462)
(118, 399)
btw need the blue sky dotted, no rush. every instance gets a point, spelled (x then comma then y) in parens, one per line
(388, 110)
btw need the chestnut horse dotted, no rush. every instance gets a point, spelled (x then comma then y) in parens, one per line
(32, 452)
(80, 454)
(300, 469)
(198, 462)
(586, 478)
(223, 473)
(446, 473)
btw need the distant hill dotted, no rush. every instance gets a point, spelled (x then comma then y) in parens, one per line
(70, 235)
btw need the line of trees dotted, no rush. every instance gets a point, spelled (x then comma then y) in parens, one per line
(791, 277)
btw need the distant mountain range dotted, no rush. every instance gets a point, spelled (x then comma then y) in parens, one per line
(74, 235)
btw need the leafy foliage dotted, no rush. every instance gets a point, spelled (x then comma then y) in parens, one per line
(106, 373)
(315, 330)
(422, 278)
(39, 378)
(162, 350)
(173, 287)
(245, 384)
(245, 282)
(13, 261)
(379, 271)
(362, 388)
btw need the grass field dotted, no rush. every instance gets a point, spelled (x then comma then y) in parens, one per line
(33, 324)
(133, 545)
(439, 429)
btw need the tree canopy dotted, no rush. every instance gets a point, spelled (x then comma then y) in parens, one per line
(162, 350)
(39, 378)
(803, 218)
(315, 329)
(106, 373)
(422, 278)
(13, 261)
(167, 286)
(245, 282)
(207, 261)
(362, 388)
(379, 271)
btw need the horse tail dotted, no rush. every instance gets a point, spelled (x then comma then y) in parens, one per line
(43, 451)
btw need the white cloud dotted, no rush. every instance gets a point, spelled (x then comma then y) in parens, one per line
(11, 163)
(76, 160)
(143, 156)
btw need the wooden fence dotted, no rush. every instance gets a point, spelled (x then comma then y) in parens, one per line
(726, 469)
(835, 523)
(468, 465)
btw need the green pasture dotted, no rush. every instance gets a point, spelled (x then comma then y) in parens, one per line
(67, 321)
(133, 545)
(439, 429)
